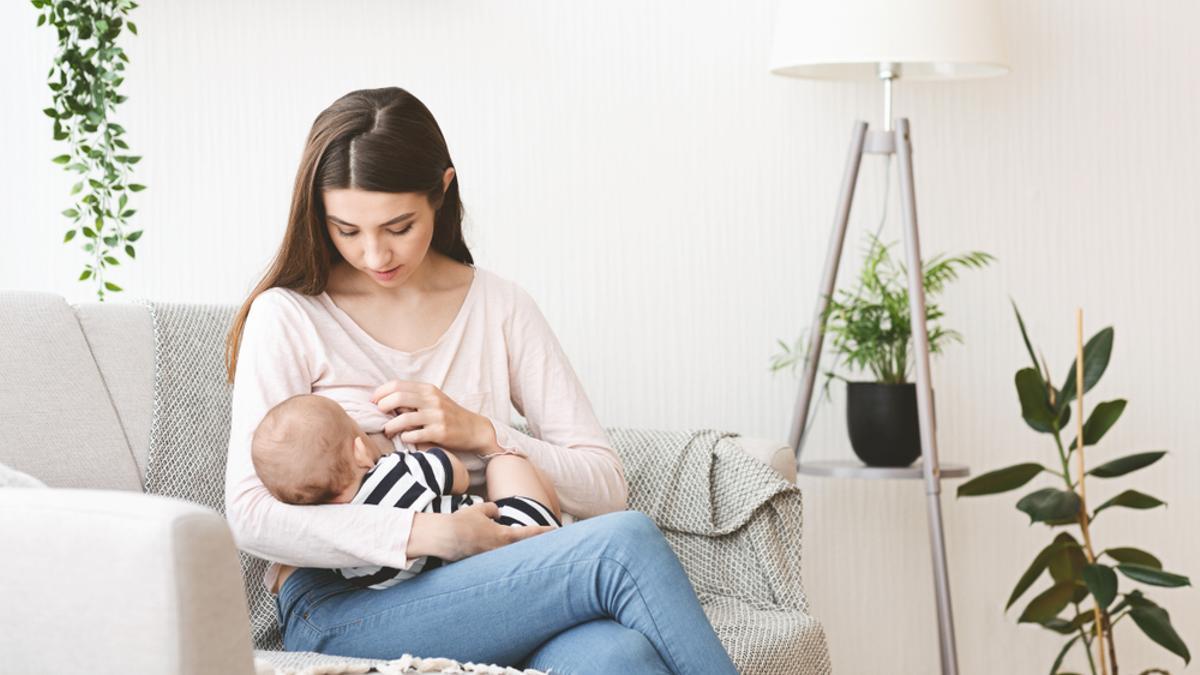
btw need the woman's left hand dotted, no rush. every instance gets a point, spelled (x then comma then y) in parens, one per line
(428, 415)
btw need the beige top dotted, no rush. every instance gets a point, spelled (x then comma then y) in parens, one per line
(497, 354)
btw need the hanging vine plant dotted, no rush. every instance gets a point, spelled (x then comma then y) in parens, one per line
(84, 80)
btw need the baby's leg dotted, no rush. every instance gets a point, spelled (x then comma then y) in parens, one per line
(511, 477)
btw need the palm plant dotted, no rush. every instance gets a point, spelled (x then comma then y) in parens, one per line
(870, 327)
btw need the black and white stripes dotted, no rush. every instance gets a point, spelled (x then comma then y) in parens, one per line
(422, 481)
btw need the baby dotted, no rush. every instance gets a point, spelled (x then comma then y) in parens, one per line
(308, 450)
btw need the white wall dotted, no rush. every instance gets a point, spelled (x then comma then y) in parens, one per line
(667, 202)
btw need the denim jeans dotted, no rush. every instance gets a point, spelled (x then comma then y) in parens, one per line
(603, 595)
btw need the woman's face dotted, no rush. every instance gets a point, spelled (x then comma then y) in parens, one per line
(384, 235)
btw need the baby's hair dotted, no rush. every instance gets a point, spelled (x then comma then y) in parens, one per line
(299, 450)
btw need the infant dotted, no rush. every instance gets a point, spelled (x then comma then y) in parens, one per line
(308, 450)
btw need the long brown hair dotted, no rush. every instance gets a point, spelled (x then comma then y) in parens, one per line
(379, 140)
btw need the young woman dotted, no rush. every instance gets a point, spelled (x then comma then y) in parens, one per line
(373, 290)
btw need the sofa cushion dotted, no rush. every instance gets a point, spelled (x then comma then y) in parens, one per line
(58, 421)
(122, 339)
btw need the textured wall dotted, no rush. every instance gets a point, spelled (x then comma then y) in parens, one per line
(667, 201)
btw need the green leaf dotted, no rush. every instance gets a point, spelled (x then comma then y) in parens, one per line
(1062, 654)
(1128, 554)
(70, 213)
(1095, 361)
(1068, 563)
(1034, 407)
(61, 159)
(132, 27)
(1131, 499)
(1025, 337)
(69, 236)
(129, 251)
(1100, 421)
(1126, 464)
(76, 188)
(87, 274)
(136, 187)
(128, 213)
(50, 112)
(1101, 581)
(1035, 570)
(1153, 575)
(112, 287)
(1049, 504)
(111, 260)
(1155, 622)
(1001, 480)
(134, 236)
(1048, 603)
(89, 232)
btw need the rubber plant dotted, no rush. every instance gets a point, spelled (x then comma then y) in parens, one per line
(84, 80)
(1078, 568)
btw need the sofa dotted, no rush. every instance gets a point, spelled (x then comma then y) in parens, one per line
(107, 571)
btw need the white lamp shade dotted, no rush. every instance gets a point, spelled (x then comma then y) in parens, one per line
(848, 39)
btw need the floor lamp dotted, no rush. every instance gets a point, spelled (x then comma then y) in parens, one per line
(887, 40)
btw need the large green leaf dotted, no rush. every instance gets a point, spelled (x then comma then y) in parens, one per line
(1035, 408)
(1048, 603)
(1049, 504)
(1155, 622)
(1126, 464)
(1128, 554)
(1000, 480)
(1101, 581)
(1100, 421)
(1153, 575)
(1068, 563)
(1038, 566)
(1131, 499)
(1095, 361)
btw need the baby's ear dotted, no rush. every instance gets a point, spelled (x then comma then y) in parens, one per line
(362, 455)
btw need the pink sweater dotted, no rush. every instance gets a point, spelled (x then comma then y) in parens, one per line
(498, 353)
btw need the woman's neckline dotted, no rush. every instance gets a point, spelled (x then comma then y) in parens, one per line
(348, 320)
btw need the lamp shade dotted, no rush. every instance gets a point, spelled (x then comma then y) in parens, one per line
(848, 39)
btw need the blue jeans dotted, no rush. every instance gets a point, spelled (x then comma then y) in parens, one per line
(604, 595)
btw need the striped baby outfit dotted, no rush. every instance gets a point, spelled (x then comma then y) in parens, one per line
(421, 481)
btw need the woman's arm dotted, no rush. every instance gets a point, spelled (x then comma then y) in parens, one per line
(571, 447)
(274, 364)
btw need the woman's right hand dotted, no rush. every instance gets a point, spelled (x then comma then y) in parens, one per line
(464, 533)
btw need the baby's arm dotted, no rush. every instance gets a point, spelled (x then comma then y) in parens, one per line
(515, 476)
(461, 477)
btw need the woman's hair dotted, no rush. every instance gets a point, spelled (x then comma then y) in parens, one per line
(379, 140)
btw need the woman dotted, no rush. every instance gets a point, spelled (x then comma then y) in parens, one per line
(373, 287)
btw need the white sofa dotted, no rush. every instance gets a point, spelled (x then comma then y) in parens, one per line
(97, 576)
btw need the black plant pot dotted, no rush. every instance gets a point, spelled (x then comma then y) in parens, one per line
(882, 419)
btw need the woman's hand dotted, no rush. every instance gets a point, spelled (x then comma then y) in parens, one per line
(428, 415)
(464, 533)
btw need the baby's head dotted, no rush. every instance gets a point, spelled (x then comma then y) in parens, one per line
(307, 450)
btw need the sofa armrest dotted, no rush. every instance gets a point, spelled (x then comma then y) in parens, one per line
(106, 581)
(773, 453)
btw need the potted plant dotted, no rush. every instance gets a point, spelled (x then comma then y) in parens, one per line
(1080, 569)
(870, 329)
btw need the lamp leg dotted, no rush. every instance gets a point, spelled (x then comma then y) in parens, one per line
(834, 255)
(929, 450)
